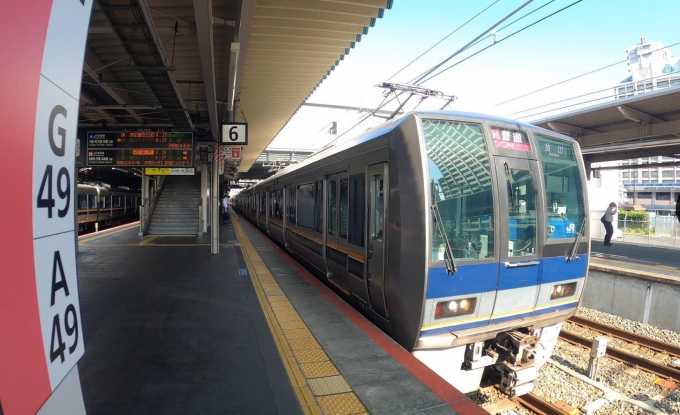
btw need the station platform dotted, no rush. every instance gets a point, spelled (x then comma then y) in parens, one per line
(171, 329)
(636, 259)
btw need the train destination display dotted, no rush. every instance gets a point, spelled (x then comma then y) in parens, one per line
(140, 149)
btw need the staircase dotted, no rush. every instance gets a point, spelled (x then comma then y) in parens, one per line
(176, 210)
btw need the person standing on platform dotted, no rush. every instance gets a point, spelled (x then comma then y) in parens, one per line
(607, 220)
(225, 208)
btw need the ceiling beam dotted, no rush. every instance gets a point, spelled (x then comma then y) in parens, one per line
(94, 67)
(638, 116)
(204, 32)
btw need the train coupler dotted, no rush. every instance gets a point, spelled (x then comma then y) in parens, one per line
(517, 382)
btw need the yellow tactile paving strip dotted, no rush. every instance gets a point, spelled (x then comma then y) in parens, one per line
(318, 386)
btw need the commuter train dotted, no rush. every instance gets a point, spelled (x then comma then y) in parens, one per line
(99, 206)
(463, 236)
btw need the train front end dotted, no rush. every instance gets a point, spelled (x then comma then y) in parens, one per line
(508, 248)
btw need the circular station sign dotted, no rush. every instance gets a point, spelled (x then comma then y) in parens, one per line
(40, 76)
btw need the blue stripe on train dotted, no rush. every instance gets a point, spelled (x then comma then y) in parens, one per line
(468, 279)
(478, 278)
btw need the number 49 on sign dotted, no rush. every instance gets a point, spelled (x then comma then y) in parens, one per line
(234, 133)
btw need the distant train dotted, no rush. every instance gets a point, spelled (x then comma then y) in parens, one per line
(462, 236)
(99, 206)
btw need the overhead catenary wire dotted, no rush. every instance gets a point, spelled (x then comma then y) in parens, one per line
(504, 27)
(419, 80)
(580, 76)
(496, 43)
(443, 39)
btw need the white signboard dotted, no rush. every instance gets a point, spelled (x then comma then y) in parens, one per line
(234, 134)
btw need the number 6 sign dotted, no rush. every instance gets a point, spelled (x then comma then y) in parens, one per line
(234, 133)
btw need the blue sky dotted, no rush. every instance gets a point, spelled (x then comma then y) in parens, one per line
(589, 35)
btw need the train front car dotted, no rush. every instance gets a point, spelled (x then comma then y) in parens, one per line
(507, 247)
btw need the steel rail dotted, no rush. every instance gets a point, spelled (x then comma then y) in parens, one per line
(618, 333)
(539, 405)
(660, 370)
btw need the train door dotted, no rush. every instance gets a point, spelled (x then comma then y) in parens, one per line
(336, 228)
(519, 271)
(376, 258)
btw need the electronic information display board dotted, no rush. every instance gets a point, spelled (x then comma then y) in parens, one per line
(140, 149)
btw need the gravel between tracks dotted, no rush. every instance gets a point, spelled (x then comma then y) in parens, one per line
(664, 335)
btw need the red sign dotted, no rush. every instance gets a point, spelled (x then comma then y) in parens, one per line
(510, 139)
(236, 153)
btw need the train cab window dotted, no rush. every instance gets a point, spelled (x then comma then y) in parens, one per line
(82, 201)
(563, 186)
(332, 203)
(344, 208)
(460, 189)
(521, 212)
(357, 205)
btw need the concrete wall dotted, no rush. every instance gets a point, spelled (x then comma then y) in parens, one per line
(634, 295)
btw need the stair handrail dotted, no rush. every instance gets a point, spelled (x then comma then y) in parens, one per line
(145, 214)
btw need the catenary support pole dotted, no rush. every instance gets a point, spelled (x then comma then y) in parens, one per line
(214, 211)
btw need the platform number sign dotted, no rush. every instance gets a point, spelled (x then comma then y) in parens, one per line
(53, 230)
(53, 194)
(234, 134)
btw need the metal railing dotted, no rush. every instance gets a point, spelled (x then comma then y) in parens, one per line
(148, 206)
(658, 231)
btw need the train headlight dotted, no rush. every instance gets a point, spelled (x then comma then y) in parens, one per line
(455, 308)
(563, 290)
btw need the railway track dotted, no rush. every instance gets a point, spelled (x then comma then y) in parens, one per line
(531, 401)
(627, 336)
(650, 365)
(540, 405)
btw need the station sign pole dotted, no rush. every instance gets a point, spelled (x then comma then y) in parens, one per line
(40, 321)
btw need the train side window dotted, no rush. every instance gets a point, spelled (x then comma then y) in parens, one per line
(116, 201)
(357, 206)
(291, 205)
(318, 207)
(461, 187)
(81, 202)
(344, 208)
(92, 201)
(332, 203)
(277, 204)
(305, 205)
(102, 201)
(378, 206)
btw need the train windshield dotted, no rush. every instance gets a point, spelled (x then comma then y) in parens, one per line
(563, 185)
(460, 177)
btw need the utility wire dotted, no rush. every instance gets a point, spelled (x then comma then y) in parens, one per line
(614, 87)
(507, 25)
(505, 38)
(512, 23)
(443, 39)
(419, 80)
(579, 76)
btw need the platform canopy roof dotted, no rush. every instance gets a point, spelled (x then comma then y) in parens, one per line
(644, 125)
(188, 65)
